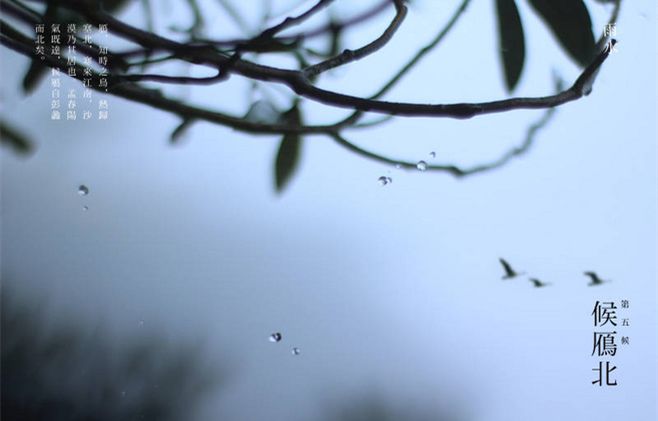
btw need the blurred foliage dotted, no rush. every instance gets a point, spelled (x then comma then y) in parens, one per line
(52, 371)
(375, 408)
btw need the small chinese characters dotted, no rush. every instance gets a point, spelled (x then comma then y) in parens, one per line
(609, 31)
(78, 56)
(604, 343)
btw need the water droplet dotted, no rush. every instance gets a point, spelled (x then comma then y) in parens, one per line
(140, 323)
(383, 180)
(295, 351)
(433, 154)
(83, 190)
(398, 166)
(276, 337)
(85, 208)
(123, 393)
(421, 165)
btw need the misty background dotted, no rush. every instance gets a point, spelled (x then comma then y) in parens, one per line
(392, 294)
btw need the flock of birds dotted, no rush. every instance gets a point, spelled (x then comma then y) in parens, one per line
(511, 273)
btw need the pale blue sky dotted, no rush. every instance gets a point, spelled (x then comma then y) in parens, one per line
(392, 290)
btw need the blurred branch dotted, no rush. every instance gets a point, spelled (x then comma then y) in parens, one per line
(15, 139)
(148, 15)
(53, 370)
(197, 24)
(232, 12)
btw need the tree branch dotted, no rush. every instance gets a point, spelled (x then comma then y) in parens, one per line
(291, 21)
(414, 60)
(297, 81)
(349, 56)
(455, 170)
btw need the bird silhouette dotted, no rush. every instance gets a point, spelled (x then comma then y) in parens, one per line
(595, 278)
(537, 283)
(509, 272)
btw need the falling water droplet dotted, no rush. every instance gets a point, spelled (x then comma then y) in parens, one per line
(85, 208)
(433, 154)
(295, 351)
(83, 190)
(383, 180)
(421, 165)
(123, 393)
(276, 337)
(140, 323)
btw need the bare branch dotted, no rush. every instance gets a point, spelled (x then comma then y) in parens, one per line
(455, 170)
(299, 83)
(414, 60)
(349, 56)
(226, 58)
(291, 21)
(180, 80)
(340, 25)
(304, 35)
(197, 24)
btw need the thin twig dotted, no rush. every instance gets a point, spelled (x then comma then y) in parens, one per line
(423, 51)
(181, 80)
(20, 43)
(197, 24)
(414, 60)
(300, 36)
(291, 21)
(158, 101)
(340, 25)
(349, 56)
(234, 14)
(455, 170)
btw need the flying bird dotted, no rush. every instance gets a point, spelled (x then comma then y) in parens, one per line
(595, 279)
(537, 283)
(509, 272)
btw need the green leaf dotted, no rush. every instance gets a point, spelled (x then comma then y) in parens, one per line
(287, 158)
(512, 41)
(571, 24)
